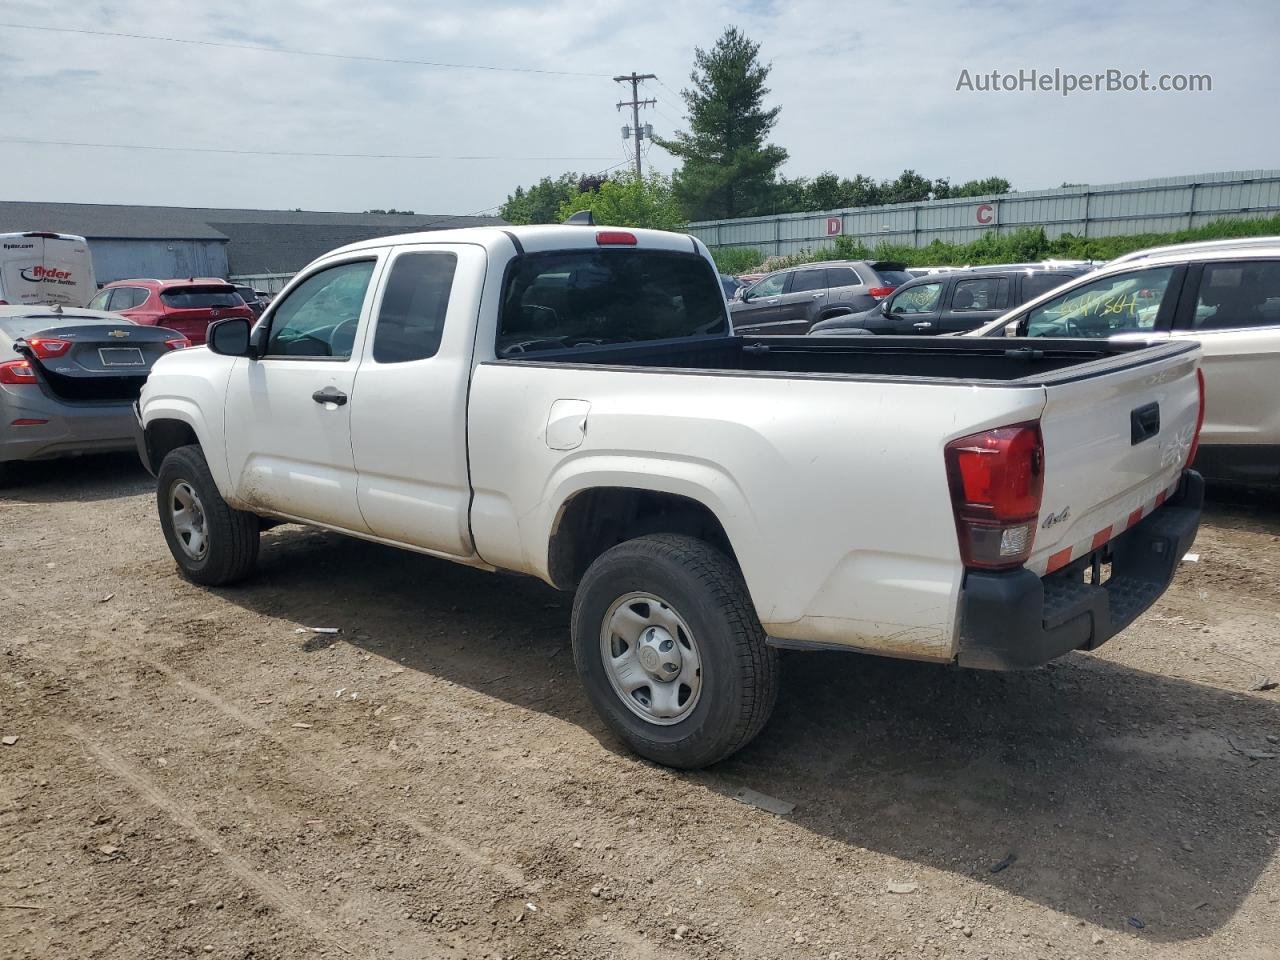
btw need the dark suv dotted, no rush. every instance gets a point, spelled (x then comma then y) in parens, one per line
(789, 302)
(953, 302)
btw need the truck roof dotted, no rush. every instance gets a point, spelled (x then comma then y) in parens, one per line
(533, 239)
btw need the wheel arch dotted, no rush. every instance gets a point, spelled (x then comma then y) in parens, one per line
(595, 518)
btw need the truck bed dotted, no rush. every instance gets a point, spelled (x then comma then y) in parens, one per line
(915, 358)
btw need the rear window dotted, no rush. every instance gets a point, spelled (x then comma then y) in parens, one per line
(894, 278)
(590, 297)
(194, 298)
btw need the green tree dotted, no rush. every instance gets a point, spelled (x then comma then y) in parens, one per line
(727, 168)
(908, 188)
(942, 188)
(630, 202)
(541, 202)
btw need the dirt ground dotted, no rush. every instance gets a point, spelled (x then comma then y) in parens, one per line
(192, 777)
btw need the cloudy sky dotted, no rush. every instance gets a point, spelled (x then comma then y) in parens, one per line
(864, 88)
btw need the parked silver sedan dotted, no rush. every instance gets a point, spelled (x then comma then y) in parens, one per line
(68, 379)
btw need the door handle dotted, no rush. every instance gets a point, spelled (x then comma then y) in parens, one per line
(922, 325)
(772, 300)
(818, 296)
(330, 395)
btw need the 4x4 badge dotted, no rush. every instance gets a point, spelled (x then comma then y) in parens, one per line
(1055, 518)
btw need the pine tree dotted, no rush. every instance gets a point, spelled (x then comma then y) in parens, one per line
(728, 170)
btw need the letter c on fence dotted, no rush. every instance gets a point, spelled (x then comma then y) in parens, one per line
(985, 213)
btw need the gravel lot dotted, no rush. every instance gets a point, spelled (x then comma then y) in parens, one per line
(192, 777)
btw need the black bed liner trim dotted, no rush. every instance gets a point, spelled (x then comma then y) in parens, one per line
(1086, 370)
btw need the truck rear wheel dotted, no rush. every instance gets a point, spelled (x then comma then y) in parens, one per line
(670, 651)
(212, 543)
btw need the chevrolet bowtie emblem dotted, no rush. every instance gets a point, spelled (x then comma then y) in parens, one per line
(118, 333)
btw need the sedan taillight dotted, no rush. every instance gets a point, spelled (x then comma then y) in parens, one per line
(48, 348)
(177, 343)
(17, 373)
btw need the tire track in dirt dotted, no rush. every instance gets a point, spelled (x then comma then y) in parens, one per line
(567, 911)
(288, 904)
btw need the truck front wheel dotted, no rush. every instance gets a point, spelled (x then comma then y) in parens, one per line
(671, 652)
(212, 543)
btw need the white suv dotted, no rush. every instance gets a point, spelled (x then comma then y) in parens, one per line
(1226, 295)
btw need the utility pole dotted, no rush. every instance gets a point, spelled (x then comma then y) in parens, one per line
(635, 103)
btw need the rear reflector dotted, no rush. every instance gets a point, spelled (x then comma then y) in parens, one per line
(615, 238)
(881, 292)
(1195, 440)
(177, 343)
(17, 373)
(28, 422)
(997, 481)
(48, 348)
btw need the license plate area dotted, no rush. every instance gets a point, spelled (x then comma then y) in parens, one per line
(121, 357)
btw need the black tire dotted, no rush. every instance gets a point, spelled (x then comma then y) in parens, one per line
(232, 536)
(739, 676)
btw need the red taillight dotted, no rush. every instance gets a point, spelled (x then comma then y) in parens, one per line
(17, 372)
(881, 292)
(177, 343)
(48, 348)
(28, 422)
(1195, 440)
(997, 481)
(615, 238)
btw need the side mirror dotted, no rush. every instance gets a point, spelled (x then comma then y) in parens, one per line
(230, 338)
(743, 295)
(884, 307)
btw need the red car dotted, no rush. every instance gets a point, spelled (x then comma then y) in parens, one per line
(188, 306)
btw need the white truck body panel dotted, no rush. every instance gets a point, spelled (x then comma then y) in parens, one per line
(45, 268)
(831, 488)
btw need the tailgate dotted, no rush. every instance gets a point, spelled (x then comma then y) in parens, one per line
(1115, 444)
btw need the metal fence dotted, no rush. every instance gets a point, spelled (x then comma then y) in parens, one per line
(1140, 206)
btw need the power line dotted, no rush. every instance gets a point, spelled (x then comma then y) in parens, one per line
(284, 153)
(290, 51)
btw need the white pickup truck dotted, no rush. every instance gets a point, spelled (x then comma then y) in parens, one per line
(570, 402)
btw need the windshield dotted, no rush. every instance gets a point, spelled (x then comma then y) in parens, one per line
(193, 298)
(590, 297)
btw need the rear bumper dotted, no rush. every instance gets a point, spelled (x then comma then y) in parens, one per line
(61, 429)
(1016, 620)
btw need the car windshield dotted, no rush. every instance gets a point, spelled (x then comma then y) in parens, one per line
(591, 297)
(194, 298)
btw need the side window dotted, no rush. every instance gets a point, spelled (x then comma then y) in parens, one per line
(320, 316)
(985, 293)
(121, 298)
(411, 317)
(139, 296)
(920, 299)
(1121, 303)
(843, 277)
(1238, 295)
(99, 302)
(769, 286)
(1037, 283)
(807, 281)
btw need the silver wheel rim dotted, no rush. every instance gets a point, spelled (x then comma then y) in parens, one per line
(190, 525)
(651, 658)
